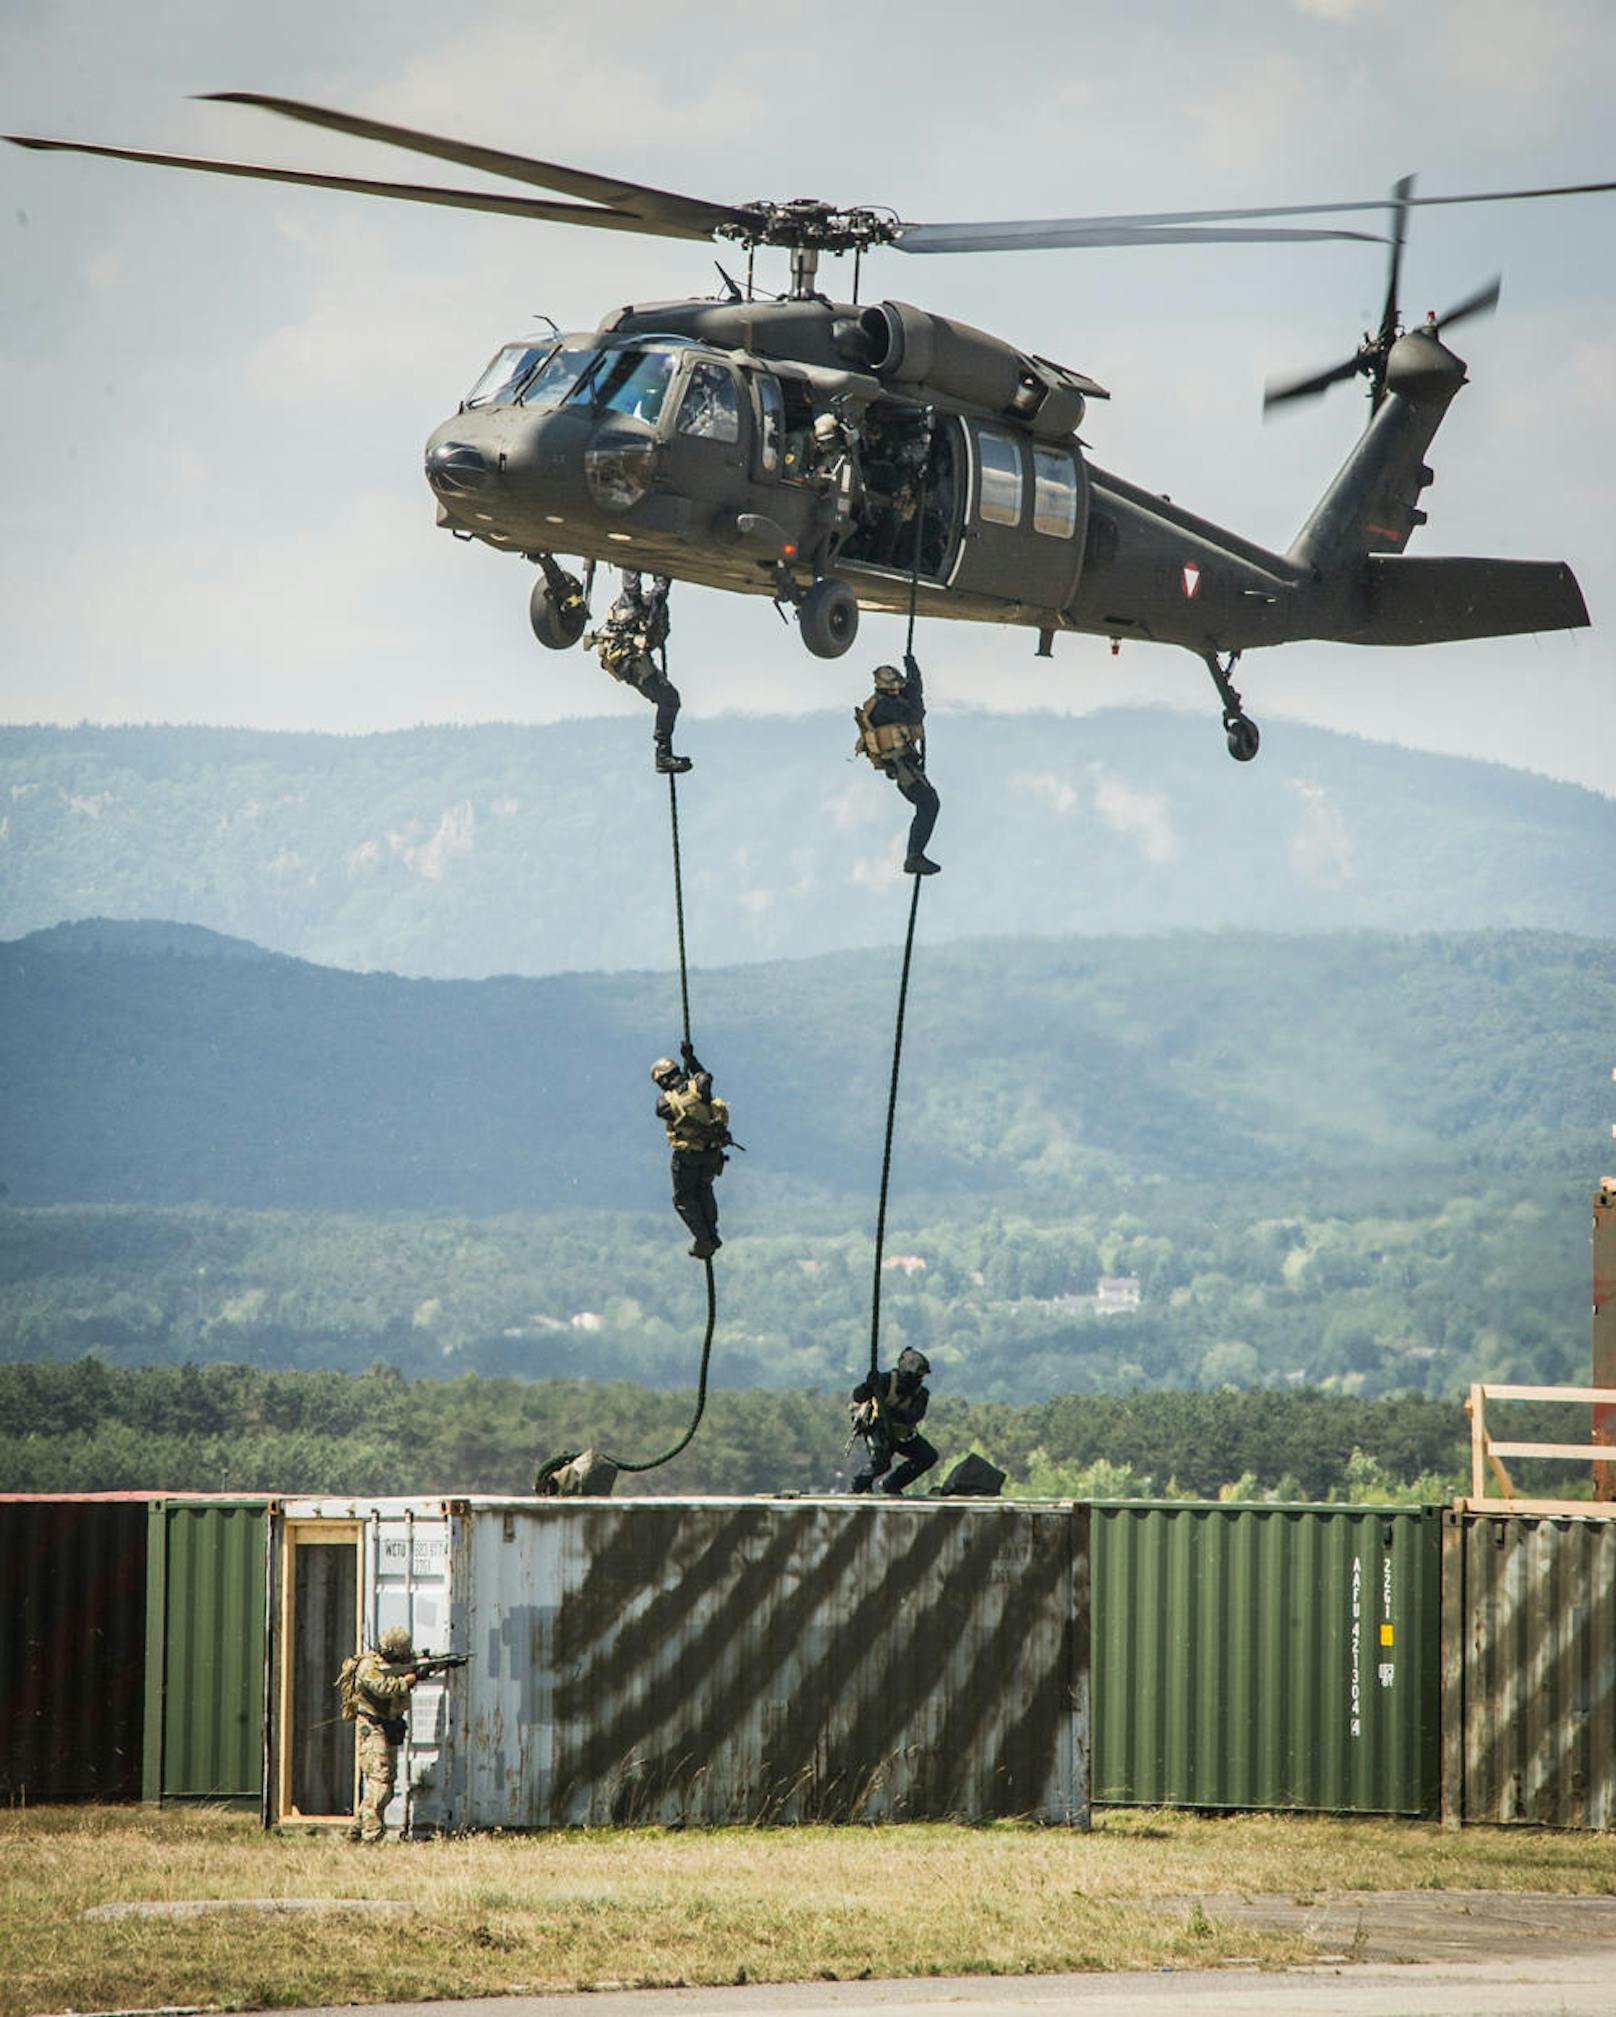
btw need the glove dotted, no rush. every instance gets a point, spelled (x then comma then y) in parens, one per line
(911, 664)
(687, 1050)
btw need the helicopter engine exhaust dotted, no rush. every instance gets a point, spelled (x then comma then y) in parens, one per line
(909, 346)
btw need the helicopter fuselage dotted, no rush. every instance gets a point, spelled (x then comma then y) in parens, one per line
(761, 447)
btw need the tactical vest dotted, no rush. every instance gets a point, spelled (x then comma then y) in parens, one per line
(897, 1410)
(696, 1123)
(892, 739)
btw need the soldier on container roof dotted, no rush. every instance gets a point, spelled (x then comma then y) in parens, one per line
(887, 1410)
(376, 1694)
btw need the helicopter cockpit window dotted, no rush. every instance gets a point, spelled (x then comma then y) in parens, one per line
(710, 409)
(1000, 502)
(505, 377)
(556, 376)
(633, 382)
(1054, 494)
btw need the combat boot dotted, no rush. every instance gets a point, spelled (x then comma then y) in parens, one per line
(918, 864)
(667, 761)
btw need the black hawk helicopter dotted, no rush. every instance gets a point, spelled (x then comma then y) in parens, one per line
(836, 457)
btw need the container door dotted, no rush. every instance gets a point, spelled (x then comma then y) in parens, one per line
(319, 1626)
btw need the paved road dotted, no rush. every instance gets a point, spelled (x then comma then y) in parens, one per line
(1570, 1986)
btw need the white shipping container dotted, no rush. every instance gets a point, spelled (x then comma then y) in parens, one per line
(699, 1660)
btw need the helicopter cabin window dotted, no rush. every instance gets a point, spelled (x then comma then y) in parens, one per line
(1054, 494)
(771, 410)
(711, 408)
(631, 382)
(505, 377)
(1000, 502)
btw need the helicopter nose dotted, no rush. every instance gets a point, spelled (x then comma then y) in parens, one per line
(456, 468)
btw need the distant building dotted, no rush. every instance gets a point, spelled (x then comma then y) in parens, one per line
(1115, 1293)
(912, 1264)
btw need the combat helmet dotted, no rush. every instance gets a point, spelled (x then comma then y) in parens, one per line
(664, 1072)
(888, 679)
(395, 1643)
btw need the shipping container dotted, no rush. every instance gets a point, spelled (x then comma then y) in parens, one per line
(704, 1660)
(1262, 1656)
(72, 1647)
(206, 1709)
(1529, 1670)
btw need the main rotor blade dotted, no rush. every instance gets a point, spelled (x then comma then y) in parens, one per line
(697, 218)
(533, 207)
(1071, 233)
(1033, 234)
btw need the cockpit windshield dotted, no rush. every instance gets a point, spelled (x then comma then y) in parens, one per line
(630, 381)
(538, 373)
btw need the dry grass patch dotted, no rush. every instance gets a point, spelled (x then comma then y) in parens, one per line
(490, 1913)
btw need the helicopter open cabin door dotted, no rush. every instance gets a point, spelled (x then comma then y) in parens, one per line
(1026, 513)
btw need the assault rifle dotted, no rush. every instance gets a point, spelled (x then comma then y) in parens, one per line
(429, 1663)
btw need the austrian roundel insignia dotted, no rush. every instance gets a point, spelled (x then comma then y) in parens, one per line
(1192, 577)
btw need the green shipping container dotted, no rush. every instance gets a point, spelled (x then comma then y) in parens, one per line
(1267, 1657)
(206, 1674)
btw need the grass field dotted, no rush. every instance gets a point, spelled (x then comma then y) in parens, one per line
(489, 1913)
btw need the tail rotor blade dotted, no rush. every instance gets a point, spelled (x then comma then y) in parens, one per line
(1482, 302)
(1279, 391)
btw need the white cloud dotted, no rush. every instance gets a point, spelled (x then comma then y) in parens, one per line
(1145, 817)
(1322, 853)
(1045, 784)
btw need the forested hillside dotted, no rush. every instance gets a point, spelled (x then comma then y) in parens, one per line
(231, 1428)
(145, 1066)
(1234, 1290)
(476, 851)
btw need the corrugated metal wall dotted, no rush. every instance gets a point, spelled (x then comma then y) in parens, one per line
(72, 1649)
(1529, 1698)
(1267, 1657)
(206, 1675)
(725, 1661)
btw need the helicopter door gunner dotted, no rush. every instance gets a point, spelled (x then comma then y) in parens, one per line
(887, 1411)
(635, 630)
(892, 735)
(698, 1134)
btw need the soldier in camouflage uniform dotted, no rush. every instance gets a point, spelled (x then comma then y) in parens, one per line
(628, 645)
(697, 1122)
(381, 1701)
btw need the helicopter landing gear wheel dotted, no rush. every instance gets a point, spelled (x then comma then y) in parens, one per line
(828, 617)
(558, 610)
(1239, 729)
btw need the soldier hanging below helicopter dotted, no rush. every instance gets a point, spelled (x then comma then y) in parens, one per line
(892, 735)
(630, 645)
(698, 1134)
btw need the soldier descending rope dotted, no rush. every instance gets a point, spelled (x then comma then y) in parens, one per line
(630, 645)
(698, 1134)
(892, 735)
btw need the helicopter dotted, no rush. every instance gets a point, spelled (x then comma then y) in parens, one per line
(837, 457)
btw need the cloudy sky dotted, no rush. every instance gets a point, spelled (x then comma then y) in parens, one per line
(216, 393)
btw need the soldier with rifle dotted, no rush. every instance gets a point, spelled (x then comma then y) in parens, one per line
(375, 1687)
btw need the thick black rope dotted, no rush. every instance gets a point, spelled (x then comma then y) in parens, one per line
(554, 1464)
(903, 991)
(679, 901)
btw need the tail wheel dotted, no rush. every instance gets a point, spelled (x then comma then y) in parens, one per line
(828, 617)
(1244, 741)
(558, 621)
